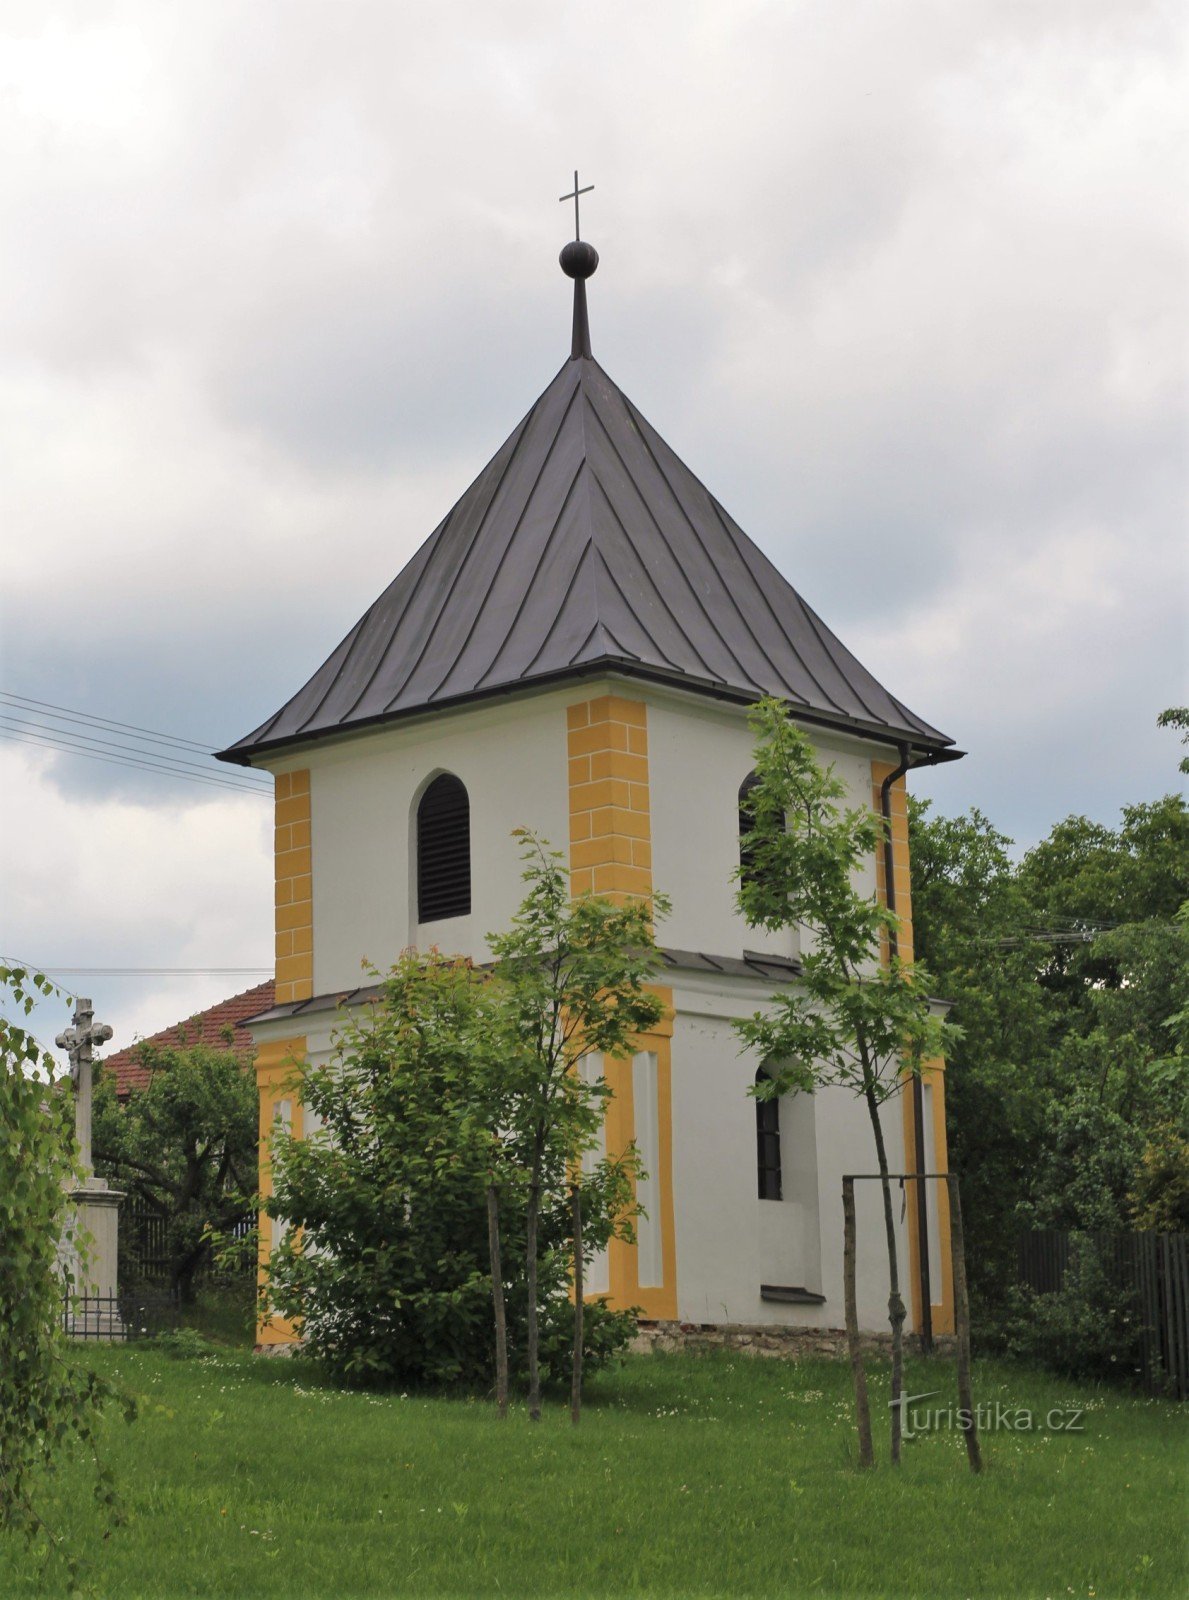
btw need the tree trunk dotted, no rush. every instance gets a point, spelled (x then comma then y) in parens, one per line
(497, 1300)
(534, 1365)
(184, 1270)
(896, 1312)
(966, 1412)
(858, 1373)
(576, 1375)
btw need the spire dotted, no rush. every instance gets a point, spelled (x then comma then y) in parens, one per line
(578, 261)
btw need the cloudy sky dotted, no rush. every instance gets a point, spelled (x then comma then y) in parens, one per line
(904, 282)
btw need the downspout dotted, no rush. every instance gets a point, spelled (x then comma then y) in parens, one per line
(918, 1092)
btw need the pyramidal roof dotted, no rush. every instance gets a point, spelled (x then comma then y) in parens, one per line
(586, 545)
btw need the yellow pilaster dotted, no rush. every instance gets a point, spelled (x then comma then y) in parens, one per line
(275, 1062)
(611, 854)
(937, 1158)
(657, 1302)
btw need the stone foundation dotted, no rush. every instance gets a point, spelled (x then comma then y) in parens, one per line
(752, 1338)
(772, 1339)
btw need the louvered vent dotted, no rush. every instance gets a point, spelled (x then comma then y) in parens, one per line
(443, 851)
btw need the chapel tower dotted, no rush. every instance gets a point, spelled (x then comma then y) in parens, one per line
(573, 650)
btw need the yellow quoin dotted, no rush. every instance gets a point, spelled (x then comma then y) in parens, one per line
(610, 834)
(611, 853)
(932, 1077)
(294, 888)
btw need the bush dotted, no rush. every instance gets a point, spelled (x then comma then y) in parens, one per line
(184, 1344)
(1089, 1328)
(50, 1403)
(390, 1274)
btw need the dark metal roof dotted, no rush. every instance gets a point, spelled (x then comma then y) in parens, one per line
(586, 545)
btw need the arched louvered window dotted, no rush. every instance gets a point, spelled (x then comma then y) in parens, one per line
(767, 1144)
(443, 851)
(746, 823)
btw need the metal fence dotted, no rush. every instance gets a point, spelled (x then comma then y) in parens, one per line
(1151, 1267)
(144, 1240)
(114, 1318)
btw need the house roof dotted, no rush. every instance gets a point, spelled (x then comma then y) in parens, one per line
(220, 1026)
(586, 545)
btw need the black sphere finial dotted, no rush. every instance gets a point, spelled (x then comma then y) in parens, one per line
(579, 259)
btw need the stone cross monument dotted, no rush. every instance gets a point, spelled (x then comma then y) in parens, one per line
(96, 1206)
(79, 1042)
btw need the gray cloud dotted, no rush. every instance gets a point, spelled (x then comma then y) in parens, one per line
(904, 284)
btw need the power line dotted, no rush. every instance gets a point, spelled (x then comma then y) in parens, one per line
(130, 761)
(87, 741)
(72, 714)
(147, 748)
(133, 972)
(156, 972)
(147, 763)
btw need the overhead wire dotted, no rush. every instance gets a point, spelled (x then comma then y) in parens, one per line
(72, 714)
(155, 972)
(55, 972)
(132, 761)
(85, 740)
(30, 721)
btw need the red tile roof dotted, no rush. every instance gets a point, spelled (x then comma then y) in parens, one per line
(221, 1027)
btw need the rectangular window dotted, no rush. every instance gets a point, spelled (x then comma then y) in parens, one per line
(768, 1176)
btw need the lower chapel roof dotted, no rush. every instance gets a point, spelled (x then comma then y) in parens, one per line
(751, 964)
(586, 545)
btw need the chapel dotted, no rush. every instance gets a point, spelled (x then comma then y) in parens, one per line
(574, 650)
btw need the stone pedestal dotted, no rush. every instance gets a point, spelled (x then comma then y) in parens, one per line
(92, 1262)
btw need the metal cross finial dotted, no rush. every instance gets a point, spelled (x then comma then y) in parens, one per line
(574, 197)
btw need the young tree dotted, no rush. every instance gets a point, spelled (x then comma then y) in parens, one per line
(49, 1404)
(386, 1259)
(186, 1144)
(851, 1020)
(571, 979)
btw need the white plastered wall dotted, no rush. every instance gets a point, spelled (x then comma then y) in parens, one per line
(729, 1241)
(700, 751)
(363, 791)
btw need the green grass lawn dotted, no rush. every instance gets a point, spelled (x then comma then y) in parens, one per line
(688, 1476)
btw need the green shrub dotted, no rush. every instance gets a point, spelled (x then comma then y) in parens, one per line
(184, 1344)
(1089, 1328)
(390, 1274)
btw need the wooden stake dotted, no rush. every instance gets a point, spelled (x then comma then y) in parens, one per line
(858, 1372)
(966, 1414)
(497, 1300)
(576, 1376)
(534, 1365)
